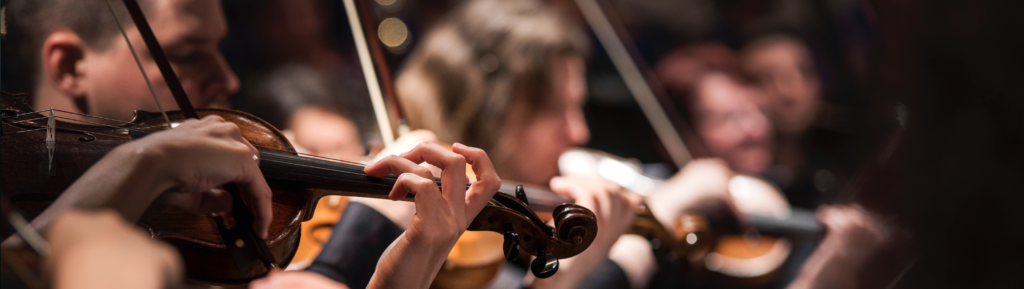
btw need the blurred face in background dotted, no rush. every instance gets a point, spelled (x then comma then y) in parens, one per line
(558, 126)
(783, 68)
(731, 124)
(324, 133)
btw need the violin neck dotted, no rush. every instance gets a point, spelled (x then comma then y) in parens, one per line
(324, 176)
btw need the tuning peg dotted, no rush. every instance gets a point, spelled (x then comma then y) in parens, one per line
(521, 195)
(511, 246)
(545, 265)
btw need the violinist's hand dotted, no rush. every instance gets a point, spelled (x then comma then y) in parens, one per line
(400, 213)
(854, 235)
(615, 209)
(442, 215)
(614, 206)
(702, 185)
(99, 250)
(202, 155)
(295, 279)
(182, 166)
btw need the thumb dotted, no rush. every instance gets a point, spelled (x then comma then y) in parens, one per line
(562, 186)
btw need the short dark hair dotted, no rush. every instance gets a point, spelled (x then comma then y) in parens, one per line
(30, 22)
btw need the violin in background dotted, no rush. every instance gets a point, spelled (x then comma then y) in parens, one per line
(709, 242)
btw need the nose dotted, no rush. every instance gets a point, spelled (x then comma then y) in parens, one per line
(223, 83)
(576, 124)
(231, 82)
(754, 124)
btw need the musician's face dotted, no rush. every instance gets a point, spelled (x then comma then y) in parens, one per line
(554, 129)
(189, 32)
(784, 70)
(731, 124)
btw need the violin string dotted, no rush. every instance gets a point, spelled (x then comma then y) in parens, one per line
(95, 123)
(325, 168)
(160, 126)
(79, 144)
(29, 113)
(79, 131)
(26, 120)
(137, 125)
(87, 122)
(352, 165)
(21, 131)
(83, 115)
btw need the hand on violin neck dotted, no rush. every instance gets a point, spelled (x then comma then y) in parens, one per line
(442, 214)
(401, 213)
(702, 185)
(615, 209)
(614, 206)
(463, 204)
(854, 237)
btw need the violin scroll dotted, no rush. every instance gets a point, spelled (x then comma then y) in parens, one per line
(574, 231)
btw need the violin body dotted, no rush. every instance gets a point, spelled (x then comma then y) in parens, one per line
(33, 178)
(32, 183)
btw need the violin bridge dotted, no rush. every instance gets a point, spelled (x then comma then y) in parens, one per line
(51, 141)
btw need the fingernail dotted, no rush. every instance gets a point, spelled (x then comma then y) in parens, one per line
(458, 145)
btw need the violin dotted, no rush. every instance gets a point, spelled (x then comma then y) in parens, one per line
(707, 243)
(36, 172)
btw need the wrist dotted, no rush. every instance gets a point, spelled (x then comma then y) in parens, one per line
(433, 248)
(149, 174)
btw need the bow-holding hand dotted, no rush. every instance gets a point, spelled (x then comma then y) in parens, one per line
(183, 166)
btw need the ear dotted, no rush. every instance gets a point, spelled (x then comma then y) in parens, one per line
(62, 53)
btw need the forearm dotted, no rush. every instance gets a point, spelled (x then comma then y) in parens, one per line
(127, 181)
(360, 237)
(409, 264)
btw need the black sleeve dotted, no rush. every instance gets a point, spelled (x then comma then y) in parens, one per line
(607, 275)
(359, 239)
